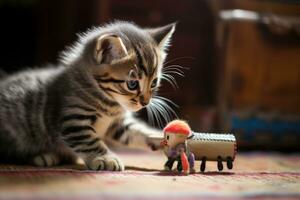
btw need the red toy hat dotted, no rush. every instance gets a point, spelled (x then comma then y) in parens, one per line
(178, 127)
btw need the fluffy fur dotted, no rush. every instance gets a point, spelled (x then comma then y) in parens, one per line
(63, 112)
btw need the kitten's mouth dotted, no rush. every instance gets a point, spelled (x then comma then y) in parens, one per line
(132, 107)
(137, 107)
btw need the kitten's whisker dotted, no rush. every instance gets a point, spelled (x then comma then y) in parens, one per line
(172, 69)
(169, 71)
(153, 112)
(176, 66)
(170, 79)
(168, 108)
(175, 69)
(150, 115)
(163, 111)
(180, 58)
(166, 112)
(174, 72)
(156, 114)
(173, 79)
(166, 99)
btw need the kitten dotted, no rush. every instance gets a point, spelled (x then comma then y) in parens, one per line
(50, 115)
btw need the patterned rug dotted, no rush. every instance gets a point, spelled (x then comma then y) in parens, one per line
(255, 176)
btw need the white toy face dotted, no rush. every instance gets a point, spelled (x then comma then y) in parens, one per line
(174, 139)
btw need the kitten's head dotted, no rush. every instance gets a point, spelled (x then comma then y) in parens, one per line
(126, 61)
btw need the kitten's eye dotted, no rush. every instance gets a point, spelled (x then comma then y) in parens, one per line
(154, 83)
(132, 84)
(168, 137)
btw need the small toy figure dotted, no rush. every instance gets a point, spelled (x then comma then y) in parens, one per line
(175, 147)
(182, 145)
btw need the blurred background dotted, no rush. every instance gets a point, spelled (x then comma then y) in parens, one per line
(243, 57)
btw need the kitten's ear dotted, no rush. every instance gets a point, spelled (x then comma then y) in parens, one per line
(162, 35)
(108, 48)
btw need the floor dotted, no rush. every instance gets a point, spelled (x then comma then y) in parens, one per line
(255, 176)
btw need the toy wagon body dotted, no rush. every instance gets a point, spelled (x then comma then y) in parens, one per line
(213, 147)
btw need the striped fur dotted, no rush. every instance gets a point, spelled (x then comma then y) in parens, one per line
(55, 114)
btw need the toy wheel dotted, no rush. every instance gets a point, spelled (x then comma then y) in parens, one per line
(220, 164)
(229, 162)
(203, 164)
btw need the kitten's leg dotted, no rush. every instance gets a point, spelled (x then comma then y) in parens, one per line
(80, 136)
(93, 151)
(135, 133)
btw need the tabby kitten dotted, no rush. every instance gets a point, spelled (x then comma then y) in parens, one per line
(51, 115)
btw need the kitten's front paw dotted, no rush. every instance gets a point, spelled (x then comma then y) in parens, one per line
(154, 143)
(109, 162)
(45, 160)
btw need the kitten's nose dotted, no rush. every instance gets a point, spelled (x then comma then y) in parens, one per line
(144, 101)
